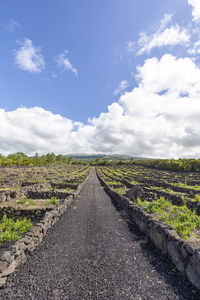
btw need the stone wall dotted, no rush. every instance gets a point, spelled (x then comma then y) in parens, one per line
(33, 214)
(185, 256)
(47, 194)
(17, 254)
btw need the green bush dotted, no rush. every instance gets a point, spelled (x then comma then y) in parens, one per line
(11, 230)
(180, 218)
(53, 201)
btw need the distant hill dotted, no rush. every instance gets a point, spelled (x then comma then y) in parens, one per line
(87, 157)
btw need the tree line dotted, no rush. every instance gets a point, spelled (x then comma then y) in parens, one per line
(21, 159)
(180, 165)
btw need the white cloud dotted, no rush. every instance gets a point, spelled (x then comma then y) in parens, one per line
(144, 38)
(167, 18)
(158, 118)
(195, 49)
(13, 25)
(121, 87)
(195, 9)
(33, 129)
(29, 58)
(65, 63)
(171, 36)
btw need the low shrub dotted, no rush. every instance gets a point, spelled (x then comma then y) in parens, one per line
(11, 230)
(52, 201)
(180, 218)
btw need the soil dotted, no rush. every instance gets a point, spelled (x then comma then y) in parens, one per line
(93, 252)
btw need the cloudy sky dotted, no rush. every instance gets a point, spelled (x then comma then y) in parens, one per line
(100, 77)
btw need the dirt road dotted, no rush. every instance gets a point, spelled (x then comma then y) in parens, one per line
(93, 253)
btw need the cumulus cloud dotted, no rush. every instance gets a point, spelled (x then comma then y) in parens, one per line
(171, 36)
(65, 63)
(195, 9)
(33, 129)
(144, 38)
(13, 25)
(163, 35)
(29, 58)
(121, 87)
(195, 48)
(158, 118)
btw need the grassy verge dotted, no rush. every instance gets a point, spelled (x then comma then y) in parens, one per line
(26, 202)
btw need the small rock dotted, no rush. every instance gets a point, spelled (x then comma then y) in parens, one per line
(9, 270)
(8, 256)
(3, 281)
(14, 248)
(3, 265)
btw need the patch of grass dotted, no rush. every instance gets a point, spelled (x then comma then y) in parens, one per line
(52, 201)
(37, 181)
(8, 189)
(134, 182)
(170, 191)
(11, 230)
(156, 206)
(180, 184)
(26, 202)
(196, 198)
(70, 190)
(121, 190)
(159, 188)
(112, 183)
(180, 218)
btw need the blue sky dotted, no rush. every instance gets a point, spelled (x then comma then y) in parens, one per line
(70, 60)
(94, 32)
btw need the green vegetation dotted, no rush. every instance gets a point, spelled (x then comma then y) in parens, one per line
(27, 202)
(180, 184)
(180, 218)
(185, 221)
(69, 190)
(183, 164)
(21, 159)
(156, 206)
(121, 190)
(11, 230)
(113, 183)
(159, 188)
(53, 201)
(196, 198)
(134, 182)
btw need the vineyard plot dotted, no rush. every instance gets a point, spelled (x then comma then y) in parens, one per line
(32, 191)
(170, 197)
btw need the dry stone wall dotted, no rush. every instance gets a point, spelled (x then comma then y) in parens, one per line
(186, 257)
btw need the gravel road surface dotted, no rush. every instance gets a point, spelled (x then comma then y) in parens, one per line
(92, 252)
